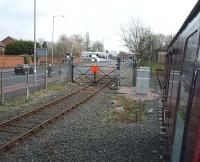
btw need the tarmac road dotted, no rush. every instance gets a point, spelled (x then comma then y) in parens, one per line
(14, 85)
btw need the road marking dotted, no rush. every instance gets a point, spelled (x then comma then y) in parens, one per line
(21, 86)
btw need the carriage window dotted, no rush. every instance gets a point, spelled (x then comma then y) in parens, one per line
(190, 55)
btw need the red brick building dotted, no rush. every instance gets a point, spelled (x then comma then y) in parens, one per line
(4, 42)
(8, 40)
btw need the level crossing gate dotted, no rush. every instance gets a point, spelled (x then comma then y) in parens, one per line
(93, 73)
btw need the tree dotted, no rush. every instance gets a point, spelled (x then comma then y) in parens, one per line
(135, 37)
(44, 45)
(87, 41)
(97, 46)
(41, 41)
(73, 44)
(142, 42)
(63, 45)
(77, 44)
(20, 47)
(168, 40)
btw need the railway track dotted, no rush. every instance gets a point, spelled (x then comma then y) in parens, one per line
(14, 130)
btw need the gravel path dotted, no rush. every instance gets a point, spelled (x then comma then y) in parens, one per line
(83, 135)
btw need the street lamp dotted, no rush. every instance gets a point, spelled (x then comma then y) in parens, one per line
(35, 43)
(52, 37)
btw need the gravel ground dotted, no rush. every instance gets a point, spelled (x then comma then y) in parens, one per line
(9, 113)
(83, 135)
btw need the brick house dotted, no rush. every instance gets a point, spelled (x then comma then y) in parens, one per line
(2, 47)
(8, 40)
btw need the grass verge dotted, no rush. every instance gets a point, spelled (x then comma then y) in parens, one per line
(22, 101)
(131, 110)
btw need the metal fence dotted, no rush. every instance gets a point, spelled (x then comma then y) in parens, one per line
(13, 85)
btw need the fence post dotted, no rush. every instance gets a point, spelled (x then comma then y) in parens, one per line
(94, 81)
(27, 84)
(60, 70)
(2, 92)
(65, 71)
(46, 69)
(134, 70)
(118, 71)
(72, 69)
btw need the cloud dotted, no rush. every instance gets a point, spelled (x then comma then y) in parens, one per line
(102, 18)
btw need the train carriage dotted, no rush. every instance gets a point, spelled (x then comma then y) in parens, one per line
(181, 92)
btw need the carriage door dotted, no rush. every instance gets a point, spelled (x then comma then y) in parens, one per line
(191, 149)
(185, 81)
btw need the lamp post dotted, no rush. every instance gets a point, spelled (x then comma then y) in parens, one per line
(35, 43)
(53, 36)
(2, 88)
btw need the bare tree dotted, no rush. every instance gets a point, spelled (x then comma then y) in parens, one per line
(87, 41)
(135, 37)
(63, 45)
(77, 44)
(73, 44)
(142, 42)
(168, 40)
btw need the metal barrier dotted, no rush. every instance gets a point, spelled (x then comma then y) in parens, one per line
(13, 85)
(85, 73)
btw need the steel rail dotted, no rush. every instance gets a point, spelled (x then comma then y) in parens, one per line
(45, 123)
(26, 114)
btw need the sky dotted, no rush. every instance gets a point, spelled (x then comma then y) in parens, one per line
(101, 18)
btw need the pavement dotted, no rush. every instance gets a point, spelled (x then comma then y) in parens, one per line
(130, 92)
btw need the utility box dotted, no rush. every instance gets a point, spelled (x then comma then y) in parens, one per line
(142, 80)
(143, 72)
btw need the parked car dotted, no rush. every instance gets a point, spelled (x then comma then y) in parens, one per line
(23, 69)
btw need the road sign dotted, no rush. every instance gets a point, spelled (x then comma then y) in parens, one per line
(95, 69)
(41, 52)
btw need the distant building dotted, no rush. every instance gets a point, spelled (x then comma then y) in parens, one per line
(125, 56)
(2, 48)
(4, 42)
(8, 40)
(161, 56)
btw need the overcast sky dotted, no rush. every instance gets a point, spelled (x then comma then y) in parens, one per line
(101, 18)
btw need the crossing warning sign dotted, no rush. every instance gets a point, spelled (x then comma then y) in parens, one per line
(95, 69)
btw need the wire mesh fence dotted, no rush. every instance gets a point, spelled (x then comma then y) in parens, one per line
(22, 81)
